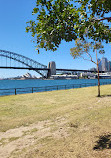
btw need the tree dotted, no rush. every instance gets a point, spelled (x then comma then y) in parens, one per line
(58, 20)
(82, 50)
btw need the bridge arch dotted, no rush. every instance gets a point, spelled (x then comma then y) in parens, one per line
(25, 61)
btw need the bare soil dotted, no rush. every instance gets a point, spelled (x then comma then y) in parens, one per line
(20, 138)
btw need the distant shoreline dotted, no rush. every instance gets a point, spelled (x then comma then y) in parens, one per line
(21, 79)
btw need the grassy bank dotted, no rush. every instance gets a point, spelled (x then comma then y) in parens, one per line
(78, 122)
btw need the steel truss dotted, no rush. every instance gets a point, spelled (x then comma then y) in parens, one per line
(25, 61)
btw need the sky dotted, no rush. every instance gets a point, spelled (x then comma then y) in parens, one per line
(13, 17)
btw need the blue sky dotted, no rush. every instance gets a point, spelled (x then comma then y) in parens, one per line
(13, 17)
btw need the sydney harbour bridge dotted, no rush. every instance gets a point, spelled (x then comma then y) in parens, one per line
(17, 61)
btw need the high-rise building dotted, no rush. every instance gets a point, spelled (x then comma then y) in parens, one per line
(104, 64)
(100, 64)
(109, 65)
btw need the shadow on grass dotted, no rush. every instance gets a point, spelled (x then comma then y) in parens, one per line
(102, 96)
(104, 142)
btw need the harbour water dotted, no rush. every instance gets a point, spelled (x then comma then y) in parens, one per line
(5, 84)
(11, 87)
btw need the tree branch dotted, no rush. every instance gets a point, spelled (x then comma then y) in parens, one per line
(105, 18)
(87, 59)
(100, 60)
(90, 58)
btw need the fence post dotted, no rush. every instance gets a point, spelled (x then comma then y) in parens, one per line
(45, 88)
(15, 92)
(32, 89)
(65, 86)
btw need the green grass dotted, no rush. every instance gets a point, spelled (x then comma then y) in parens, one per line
(28, 108)
(87, 115)
(4, 141)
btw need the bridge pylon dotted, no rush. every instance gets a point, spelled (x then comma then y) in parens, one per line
(52, 69)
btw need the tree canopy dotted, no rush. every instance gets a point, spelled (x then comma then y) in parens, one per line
(58, 20)
(82, 50)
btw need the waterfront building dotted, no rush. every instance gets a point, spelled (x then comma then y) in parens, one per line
(65, 76)
(27, 75)
(88, 75)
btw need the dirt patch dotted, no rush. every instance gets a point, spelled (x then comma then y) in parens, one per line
(23, 137)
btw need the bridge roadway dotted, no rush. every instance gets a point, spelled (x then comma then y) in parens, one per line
(31, 64)
(47, 69)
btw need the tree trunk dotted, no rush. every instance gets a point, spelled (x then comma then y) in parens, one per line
(98, 82)
(98, 75)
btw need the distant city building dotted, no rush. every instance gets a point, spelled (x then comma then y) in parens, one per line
(93, 69)
(99, 64)
(109, 65)
(104, 64)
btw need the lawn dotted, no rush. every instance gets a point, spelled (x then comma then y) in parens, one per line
(59, 124)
